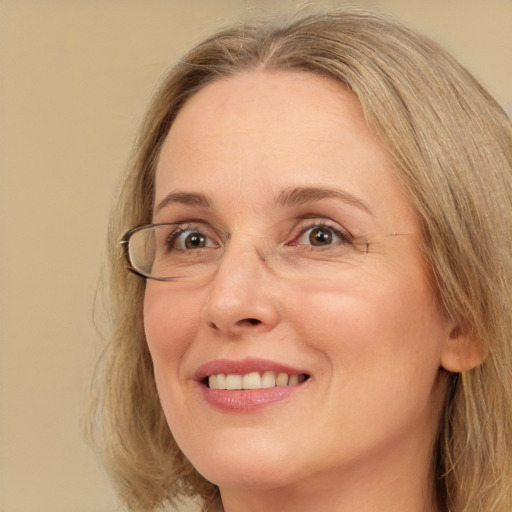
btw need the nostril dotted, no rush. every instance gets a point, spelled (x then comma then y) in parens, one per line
(250, 321)
(240, 323)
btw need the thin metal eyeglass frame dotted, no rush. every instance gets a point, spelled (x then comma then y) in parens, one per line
(125, 243)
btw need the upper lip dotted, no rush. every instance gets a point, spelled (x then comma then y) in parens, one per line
(242, 367)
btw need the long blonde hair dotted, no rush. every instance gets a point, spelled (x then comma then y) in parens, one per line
(452, 147)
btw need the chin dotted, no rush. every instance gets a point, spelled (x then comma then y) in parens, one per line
(246, 475)
(251, 464)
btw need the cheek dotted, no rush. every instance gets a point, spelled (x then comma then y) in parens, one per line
(375, 325)
(383, 346)
(170, 323)
(171, 320)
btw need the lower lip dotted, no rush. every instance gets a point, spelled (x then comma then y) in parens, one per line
(247, 400)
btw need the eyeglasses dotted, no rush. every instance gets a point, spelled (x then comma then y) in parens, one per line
(191, 251)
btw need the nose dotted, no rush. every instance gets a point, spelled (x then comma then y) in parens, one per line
(242, 296)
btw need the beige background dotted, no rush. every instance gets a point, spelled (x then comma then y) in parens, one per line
(74, 78)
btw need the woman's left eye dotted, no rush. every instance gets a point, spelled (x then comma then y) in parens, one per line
(322, 236)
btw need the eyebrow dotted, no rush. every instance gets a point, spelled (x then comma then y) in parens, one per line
(187, 198)
(301, 195)
(288, 197)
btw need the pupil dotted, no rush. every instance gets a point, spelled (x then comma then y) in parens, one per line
(195, 240)
(320, 236)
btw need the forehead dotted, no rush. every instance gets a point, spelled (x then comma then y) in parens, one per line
(258, 104)
(268, 130)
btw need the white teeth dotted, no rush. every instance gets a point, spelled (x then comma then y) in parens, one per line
(268, 380)
(233, 382)
(282, 379)
(221, 381)
(293, 380)
(253, 380)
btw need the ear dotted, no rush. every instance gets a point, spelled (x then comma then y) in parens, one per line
(462, 351)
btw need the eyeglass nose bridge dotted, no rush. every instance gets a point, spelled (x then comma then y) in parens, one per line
(145, 244)
(139, 246)
(261, 246)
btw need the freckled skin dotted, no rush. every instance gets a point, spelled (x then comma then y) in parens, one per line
(358, 435)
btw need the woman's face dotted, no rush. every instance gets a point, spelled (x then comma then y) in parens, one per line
(285, 159)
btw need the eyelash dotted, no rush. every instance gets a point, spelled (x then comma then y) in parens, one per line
(187, 229)
(341, 235)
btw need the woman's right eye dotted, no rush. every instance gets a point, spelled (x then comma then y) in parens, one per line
(182, 239)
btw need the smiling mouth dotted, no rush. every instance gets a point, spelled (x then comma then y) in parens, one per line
(254, 380)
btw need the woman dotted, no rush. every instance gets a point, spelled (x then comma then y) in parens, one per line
(319, 216)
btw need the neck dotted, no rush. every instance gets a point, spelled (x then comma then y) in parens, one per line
(396, 485)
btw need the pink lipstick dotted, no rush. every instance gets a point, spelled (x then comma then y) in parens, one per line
(248, 384)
